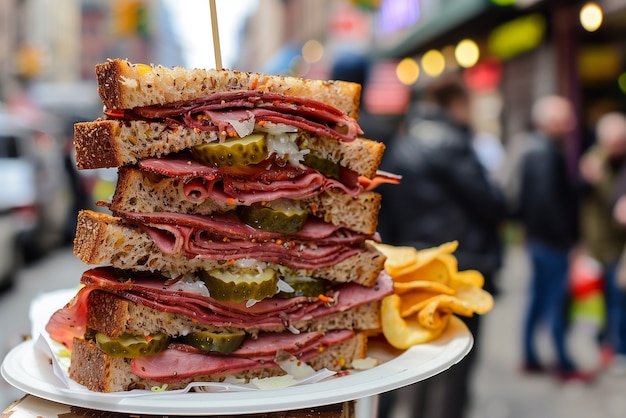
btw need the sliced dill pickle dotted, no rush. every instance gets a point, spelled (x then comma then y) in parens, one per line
(304, 286)
(321, 164)
(282, 216)
(251, 149)
(131, 346)
(241, 284)
(222, 342)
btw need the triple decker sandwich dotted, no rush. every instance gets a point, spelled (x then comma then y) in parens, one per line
(239, 232)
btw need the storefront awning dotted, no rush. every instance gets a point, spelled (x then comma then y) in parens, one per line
(459, 19)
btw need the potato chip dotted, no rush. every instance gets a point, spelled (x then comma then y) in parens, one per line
(398, 258)
(413, 301)
(451, 303)
(468, 277)
(433, 318)
(401, 333)
(402, 260)
(435, 270)
(429, 254)
(433, 313)
(477, 299)
(425, 285)
(428, 290)
(450, 261)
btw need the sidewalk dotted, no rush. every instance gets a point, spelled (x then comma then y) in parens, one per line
(501, 391)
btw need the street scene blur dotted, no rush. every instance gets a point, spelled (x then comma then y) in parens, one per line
(506, 119)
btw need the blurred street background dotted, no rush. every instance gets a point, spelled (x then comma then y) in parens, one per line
(508, 53)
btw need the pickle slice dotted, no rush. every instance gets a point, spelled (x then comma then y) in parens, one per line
(131, 346)
(321, 164)
(222, 342)
(242, 284)
(251, 149)
(303, 286)
(281, 215)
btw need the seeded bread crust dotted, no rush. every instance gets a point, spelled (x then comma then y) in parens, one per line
(106, 143)
(100, 372)
(138, 191)
(102, 239)
(113, 315)
(111, 143)
(124, 85)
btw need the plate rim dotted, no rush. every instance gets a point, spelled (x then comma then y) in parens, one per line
(449, 349)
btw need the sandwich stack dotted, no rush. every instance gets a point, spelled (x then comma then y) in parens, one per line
(239, 235)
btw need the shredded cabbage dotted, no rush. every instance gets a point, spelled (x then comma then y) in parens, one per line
(190, 284)
(283, 286)
(281, 140)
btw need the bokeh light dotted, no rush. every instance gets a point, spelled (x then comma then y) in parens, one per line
(467, 53)
(591, 17)
(433, 63)
(312, 51)
(408, 71)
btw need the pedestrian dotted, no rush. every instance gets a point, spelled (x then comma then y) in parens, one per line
(445, 195)
(602, 235)
(548, 204)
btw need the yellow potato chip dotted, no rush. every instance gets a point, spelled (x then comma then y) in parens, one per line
(468, 277)
(477, 299)
(435, 270)
(428, 290)
(425, 285)
(448, 302)
(450, 261)
(429, 254)
(402, 260)
(401, 333)
(398, 258)
(432, 317)
(415, 300)
(434, 312)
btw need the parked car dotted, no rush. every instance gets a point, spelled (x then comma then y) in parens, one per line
(33, 185)
(16, 219)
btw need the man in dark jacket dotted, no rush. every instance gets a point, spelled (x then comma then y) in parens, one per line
(445, 195)
(548, 207)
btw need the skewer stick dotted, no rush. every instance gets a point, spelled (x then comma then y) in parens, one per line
(216, 36)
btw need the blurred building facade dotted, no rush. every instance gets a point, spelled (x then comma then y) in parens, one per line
(523, 49)
(59, 42)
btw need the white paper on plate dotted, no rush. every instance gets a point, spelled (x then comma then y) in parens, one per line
(60, 366)
(44, 305)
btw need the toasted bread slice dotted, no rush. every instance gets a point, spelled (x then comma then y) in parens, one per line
(101, 372)
(113, 315)
(103, 239)
(124, 85)
(138, 191)
(113, 143)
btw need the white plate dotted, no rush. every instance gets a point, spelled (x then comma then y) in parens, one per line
(29, 370)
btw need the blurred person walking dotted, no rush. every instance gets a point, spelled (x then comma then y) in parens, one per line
(548, 208)
(602, 235)
(445, 195)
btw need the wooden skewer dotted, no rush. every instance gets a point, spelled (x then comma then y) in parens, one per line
(216, 36)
